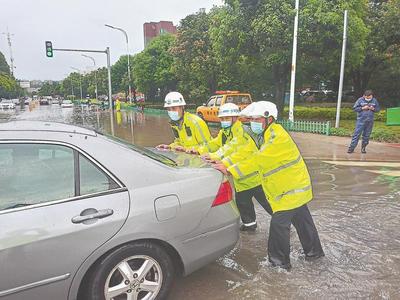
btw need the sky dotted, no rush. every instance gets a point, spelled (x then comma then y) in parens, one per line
(80, 24)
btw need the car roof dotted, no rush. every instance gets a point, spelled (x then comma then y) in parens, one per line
(44, 126)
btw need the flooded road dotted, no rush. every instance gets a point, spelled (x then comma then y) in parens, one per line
(356, 209)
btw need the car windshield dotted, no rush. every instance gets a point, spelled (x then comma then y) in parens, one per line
(144, 151)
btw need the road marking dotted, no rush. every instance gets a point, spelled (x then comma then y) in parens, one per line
(364, 163)
(386, 172)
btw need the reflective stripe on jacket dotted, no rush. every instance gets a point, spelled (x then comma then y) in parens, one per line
(285, 178)
(242, 149)
(222, 142)
(191, 132)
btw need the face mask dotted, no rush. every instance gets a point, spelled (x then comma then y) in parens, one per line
(226, 124)
(368, 99)
(256, 127)
(174, 115)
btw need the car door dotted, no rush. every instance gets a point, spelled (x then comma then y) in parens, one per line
(57, 206)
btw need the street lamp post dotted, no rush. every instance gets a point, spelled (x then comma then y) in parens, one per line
(95, 71)
(294, 56)
(80, 80)
(127, 50)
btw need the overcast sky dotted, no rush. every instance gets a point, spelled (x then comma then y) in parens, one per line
(80, 24)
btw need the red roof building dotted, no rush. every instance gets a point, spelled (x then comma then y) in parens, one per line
(153, 29)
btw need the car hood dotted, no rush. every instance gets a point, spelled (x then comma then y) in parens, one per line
(182, 159)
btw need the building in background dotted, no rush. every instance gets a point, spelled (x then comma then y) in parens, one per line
(154, 29)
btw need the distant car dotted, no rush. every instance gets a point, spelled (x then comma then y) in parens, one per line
(27, 101)
(7, 104)
(86, 216)
(44, 101)
(209, 111)
(67, 103)
(16, 101)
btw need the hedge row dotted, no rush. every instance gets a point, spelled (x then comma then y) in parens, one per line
(378, 134)
(328, 113)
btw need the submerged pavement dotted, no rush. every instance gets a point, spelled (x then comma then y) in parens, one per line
(356, 209)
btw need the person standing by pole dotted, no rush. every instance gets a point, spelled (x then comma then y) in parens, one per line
(366, 107)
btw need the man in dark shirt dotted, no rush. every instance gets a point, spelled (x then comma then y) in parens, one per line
(365, 107)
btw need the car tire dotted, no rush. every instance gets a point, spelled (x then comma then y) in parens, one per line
(129, 260)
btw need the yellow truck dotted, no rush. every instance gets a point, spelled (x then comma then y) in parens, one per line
(209, 111)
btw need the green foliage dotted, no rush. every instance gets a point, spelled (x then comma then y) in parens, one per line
(328, 113)
(380, 132)
(152, 68)
(4, 67)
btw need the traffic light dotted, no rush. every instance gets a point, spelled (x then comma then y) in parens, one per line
(49, 49)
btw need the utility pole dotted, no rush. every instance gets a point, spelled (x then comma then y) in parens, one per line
(127, 52)
(8, 34)
(294, 57)
(340, 92)
(95, 72)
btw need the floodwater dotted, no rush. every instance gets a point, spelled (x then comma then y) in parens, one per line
(356, 209)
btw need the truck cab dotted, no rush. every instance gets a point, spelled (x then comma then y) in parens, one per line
(209, 111)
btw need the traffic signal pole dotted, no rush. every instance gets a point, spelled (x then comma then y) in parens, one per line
(49, 53)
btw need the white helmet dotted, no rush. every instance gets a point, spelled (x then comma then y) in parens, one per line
(263, 109)
(228, 110)
(248, 109)
(174, 99)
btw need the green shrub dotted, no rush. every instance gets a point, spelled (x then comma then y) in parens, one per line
(328, 113)
(384, 135)
(340, 132)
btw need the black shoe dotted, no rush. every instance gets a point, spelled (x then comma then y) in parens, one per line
(363, 150)
(248, 228)
(314, 257)
(350, 150)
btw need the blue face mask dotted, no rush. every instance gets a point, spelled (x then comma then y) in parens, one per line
(174, 115)
(226, 124)
(256, 127)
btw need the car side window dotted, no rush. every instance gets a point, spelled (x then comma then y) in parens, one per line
(218, 101)
(35, 173)
(211, 102)
(92, 179)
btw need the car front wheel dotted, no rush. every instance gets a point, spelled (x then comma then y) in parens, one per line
(139, 271)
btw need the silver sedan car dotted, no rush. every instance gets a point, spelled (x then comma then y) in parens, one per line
(86, 216)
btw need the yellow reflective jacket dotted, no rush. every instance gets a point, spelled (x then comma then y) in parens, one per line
(222, 140)
(191, 132)
(285, 178)
(240, 150)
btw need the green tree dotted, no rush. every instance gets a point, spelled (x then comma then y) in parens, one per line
(152, 68)
(4, 67)
(195, 63)
(381, 51)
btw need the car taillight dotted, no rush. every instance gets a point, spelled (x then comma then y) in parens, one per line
(224, 194)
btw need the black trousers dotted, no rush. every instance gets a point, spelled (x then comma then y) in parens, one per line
(279, 236)
(246, 207)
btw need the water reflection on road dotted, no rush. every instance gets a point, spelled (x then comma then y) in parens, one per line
(356, 209)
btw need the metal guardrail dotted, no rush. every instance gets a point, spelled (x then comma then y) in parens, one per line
(307, 126)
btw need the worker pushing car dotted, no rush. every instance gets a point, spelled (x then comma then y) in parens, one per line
(285, 181)
(190, 131)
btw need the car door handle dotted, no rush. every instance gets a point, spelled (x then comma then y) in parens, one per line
(92, 214)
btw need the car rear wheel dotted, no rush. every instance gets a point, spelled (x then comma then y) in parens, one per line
(140, 271)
